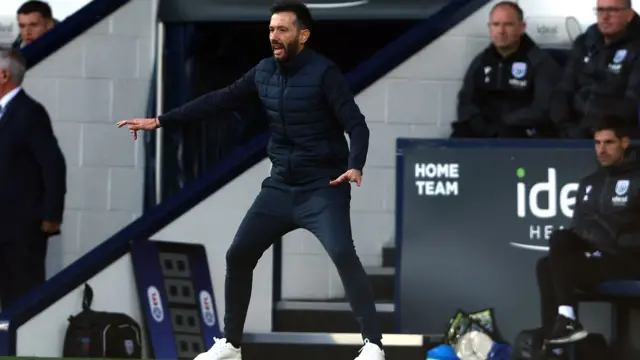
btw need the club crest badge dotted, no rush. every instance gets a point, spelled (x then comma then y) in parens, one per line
(622, 186)
(619, 56)
(519, 70)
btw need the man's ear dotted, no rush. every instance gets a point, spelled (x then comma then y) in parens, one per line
(625, 142)
(304, 35)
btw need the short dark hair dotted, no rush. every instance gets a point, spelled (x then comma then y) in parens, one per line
(618, 125)
(515, 7)
(303, 15)
(35, 6)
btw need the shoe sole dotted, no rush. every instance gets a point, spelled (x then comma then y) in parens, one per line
(577, 336)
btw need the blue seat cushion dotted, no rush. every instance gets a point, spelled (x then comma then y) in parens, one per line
(622, 288)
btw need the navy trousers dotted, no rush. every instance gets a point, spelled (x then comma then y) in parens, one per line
(325, 212)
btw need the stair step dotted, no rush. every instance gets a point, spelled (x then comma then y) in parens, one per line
(380, 271)
(382, 283)
(323, 346)
(325, 317)
(389, 257)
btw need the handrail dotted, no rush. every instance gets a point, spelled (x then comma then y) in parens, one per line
(68, 29)
(226, 171)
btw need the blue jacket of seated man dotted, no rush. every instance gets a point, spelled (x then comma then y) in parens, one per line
(309, 106)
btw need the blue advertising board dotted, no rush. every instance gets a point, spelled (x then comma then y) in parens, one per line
(473, 218)
(176, 298)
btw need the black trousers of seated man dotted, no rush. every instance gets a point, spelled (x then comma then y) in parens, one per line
(567, 268)
(325, 212)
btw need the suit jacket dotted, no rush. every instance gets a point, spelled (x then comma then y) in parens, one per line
(32, 167)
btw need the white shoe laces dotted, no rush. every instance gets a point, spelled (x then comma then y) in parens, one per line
(366, 342)
(367, 349)
(218, 345)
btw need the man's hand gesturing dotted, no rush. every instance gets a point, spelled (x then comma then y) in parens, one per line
(139, 124)
(352, 175)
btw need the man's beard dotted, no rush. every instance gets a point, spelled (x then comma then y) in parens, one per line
(290, 51)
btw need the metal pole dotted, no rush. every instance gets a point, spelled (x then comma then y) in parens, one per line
(159, 110)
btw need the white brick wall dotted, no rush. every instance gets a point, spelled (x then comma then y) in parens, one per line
(580, 9)
(417, 99)
(60, 8)
(100, 77)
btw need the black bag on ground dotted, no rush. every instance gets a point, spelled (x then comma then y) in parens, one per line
(529, 346)
(101, 334)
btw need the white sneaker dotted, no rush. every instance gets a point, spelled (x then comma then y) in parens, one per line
(370, 352)
(221, 350)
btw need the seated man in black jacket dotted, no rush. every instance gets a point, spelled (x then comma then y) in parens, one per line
(602, 76)
(507, 87)
(603, 240)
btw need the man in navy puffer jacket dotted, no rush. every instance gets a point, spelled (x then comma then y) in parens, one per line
(310, 107)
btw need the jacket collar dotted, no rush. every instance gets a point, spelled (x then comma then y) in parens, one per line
(630, 163)
(291, 66)
(526, 45)
(6, 99)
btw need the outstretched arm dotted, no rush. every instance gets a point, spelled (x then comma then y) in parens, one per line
(241, 92)
(209, 105)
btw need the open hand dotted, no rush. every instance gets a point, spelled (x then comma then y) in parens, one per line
(352, 175)
(139, 124)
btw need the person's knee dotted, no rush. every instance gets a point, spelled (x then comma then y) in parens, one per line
(241, 257)
(233, 256)
(560, 240)
(343, 253)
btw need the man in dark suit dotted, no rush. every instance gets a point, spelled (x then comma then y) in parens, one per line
(32, 184)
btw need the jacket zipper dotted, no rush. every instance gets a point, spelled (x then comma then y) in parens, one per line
(284, 121)
(499, 80)
(590, 56)
(602, 194)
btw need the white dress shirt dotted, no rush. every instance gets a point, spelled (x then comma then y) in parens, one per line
(5, 100)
